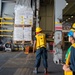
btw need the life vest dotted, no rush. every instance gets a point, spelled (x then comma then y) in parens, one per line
(67, 55)
(40, 40)
(68, 60)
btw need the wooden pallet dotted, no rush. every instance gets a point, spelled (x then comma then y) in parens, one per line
(18, 42)
(22, 42)
(23, 25)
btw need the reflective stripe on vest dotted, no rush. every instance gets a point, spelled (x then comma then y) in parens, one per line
(68, 54)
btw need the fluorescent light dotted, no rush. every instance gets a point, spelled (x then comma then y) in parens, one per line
(71, 16)
(66, 19)
(66, 4)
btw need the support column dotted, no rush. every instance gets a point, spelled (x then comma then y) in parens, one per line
(33, 6)
(0, 6)
(59, 5)
(37, 12)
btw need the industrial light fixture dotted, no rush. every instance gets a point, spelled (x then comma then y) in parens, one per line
(66, 4)
(71, 16)
(66, 19)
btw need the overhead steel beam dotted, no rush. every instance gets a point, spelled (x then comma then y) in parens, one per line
(73, 12)
(4, 1)
(68, 15)
(68, 7)
(51, 1)
(70, 1)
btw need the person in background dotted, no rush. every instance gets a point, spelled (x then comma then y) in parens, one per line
(72, 29)
(69, 66)
(40, 47)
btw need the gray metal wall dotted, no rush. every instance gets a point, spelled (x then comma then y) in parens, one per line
(47, 17)
(8, 9)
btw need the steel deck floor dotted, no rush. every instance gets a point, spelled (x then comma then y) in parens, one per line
(17, 63)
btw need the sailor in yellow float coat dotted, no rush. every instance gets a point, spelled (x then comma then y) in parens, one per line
(40, 47)
(69, 66)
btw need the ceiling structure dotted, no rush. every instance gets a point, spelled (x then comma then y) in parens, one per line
(8, 0)
(45, 2)
(70, 1)
(69, 11)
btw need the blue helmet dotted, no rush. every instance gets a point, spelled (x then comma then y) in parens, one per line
(70, 33)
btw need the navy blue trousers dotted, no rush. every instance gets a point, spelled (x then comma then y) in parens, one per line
(41, 52)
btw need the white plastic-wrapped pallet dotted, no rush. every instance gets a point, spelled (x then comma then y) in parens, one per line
(18, 34)
(24, 13)
(23, 18)
(21, 33)
(27, 33)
